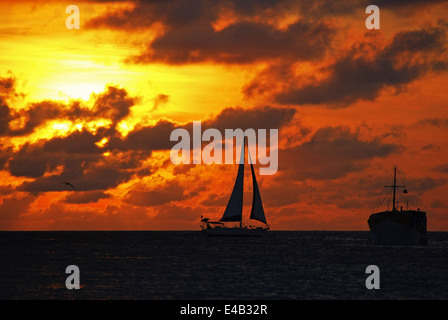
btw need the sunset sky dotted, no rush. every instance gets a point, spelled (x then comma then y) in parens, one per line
(95, 106)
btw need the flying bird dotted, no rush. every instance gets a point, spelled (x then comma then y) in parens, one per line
(68, 184)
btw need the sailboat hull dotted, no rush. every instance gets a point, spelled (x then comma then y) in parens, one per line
(234, 232)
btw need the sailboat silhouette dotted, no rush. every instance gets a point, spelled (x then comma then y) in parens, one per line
(234, 208)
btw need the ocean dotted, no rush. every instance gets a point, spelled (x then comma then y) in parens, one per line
(186, 265)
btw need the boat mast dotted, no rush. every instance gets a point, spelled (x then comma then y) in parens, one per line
(395, 186)
(242, 182)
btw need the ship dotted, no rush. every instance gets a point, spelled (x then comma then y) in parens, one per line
(398, 226)
(234, 209)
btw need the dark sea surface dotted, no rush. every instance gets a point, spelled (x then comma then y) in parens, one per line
(155, 265)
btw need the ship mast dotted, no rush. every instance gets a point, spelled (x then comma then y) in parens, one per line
(394, 188)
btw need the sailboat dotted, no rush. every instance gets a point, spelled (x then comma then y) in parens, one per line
(398, 227)
(234, 208)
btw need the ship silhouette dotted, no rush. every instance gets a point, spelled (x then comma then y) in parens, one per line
(398, 227)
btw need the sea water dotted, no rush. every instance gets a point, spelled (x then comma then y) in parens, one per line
(173, 265)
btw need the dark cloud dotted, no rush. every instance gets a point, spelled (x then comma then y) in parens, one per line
(86, 197)
(161, 99)
(266, 117)
(80, 159)
(437, 122)
(7, 85)
(156, 137)
(31, 161)
(36, 114)
(443, 168)
(363, 72)
(189, 35)
(239, 43)
(319, 9)
(12, 207)
(5, 154)
(113, 104)
(331, 153)
(171, 191)
(97, 176)
(77, 142)
(419, 185)
(76, 157)
(5, 117)
(7, 90)
(176, 213)
(182, 13)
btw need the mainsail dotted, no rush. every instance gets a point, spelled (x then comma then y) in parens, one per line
(234, 209)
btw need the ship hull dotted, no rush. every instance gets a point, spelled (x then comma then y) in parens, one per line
(398, 228)
(234, 232)
(391, 233)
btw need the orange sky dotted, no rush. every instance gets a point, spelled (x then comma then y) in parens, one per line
(95, 106)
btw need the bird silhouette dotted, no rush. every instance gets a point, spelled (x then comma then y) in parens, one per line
(68, 184)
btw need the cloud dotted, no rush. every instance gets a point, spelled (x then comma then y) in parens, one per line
(5, 154)
(239, 43)
(178, 213)
(157, 137)
(97, 176)
(113, 104)
(7, 90)
(251, 33)
(437, 122)
(7, 85)
(319, 8)
(182, 14)
(146, 138)
(266, 117)
(81, 159)
(80, 142)
(443, 168)
(171, 191)
(190, 34)
(86, 196)
(11, 208)
(76, 157)
(35, 115)
(161, 99)
(31, 161)
(331, 153)
(364, 70)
